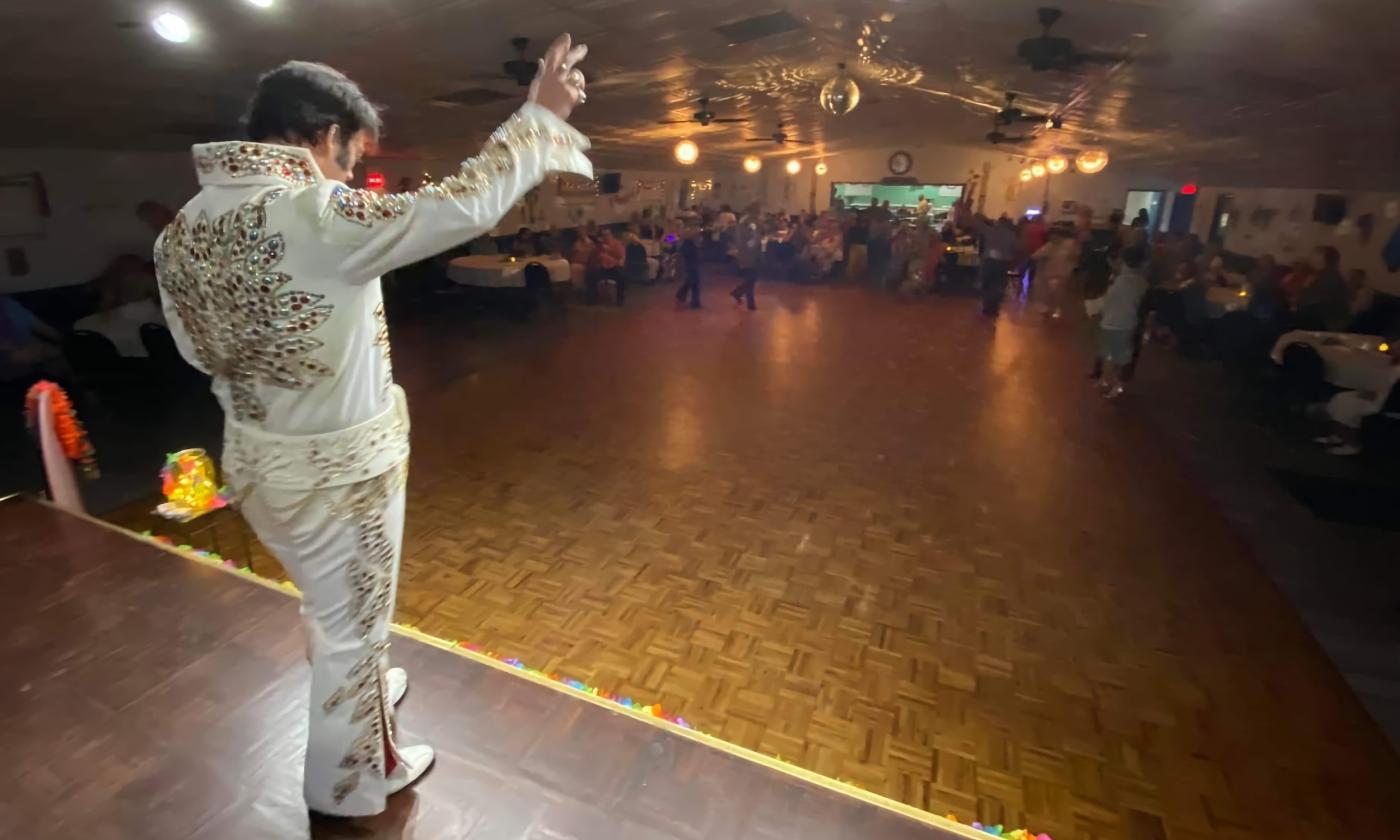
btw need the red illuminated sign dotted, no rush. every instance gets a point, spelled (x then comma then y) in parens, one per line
(374, 180)
(1189, 189)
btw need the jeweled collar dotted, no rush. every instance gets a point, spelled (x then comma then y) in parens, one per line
(243, 162)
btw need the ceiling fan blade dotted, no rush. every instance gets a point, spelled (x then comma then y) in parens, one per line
(802, 142)
(730, 119)
(1100, 58)
(673, 122)
(759, 140)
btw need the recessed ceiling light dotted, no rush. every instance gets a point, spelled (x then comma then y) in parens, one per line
(264, 4)
(172, 27)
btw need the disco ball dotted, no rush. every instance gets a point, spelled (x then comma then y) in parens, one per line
(839, 95)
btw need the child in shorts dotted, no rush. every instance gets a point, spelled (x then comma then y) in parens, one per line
(1120, 306)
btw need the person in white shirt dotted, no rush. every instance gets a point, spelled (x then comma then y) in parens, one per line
(1120, 307)
(270, 281)
(125, 305)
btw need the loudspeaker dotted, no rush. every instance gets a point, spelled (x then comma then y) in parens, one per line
(610, 183)
(1329, 208)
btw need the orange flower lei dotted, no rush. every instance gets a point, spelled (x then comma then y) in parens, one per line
(71, 434)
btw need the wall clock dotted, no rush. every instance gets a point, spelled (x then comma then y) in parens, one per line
(901, 163)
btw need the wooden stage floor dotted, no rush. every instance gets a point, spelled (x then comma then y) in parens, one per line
(888, 542)
(149, 696)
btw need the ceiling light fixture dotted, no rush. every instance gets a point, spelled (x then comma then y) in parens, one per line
(1038, 170)
(1091, 161)
(793, 167)
(840, 95)
(687, 152)
(1026, 175)
(262, 4)
(1056, 164)
(752, 164)
(172, 27)
(820, 168)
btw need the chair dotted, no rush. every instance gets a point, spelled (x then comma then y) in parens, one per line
(537, 278)
(635, 264)
(1303, 375)
(94, 358)
(1380, 433)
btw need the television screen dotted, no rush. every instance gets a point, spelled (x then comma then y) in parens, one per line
(1329, 208)
(903, 198)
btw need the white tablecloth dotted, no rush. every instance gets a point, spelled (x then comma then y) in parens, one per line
(1351, 360)
(496, 272)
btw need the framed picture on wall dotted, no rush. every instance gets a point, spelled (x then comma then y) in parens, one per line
(24, 204)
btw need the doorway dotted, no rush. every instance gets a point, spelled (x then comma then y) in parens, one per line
(1221, 218)
(1151, 201)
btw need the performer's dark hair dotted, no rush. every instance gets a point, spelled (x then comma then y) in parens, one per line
(301, 100)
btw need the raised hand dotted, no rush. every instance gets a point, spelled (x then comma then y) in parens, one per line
(558, 85)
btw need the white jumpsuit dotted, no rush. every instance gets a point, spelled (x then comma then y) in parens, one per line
(269, 278)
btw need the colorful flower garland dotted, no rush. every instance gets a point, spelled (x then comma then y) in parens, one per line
(71, 435)
(652, 709)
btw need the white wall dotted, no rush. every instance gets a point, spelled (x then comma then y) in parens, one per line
(1292, 234)
(92, 196)
(552, 209)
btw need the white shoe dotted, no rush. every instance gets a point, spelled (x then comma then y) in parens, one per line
(395, 683)
(413, 763)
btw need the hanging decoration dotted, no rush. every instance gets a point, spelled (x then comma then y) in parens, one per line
(752, 164)
(820, 168)
(1038, 170)
(1026, 175)
(793, 167)
(71, 434)
(840, 95)
(1091, 161)
(1056, 164)
(187, 480)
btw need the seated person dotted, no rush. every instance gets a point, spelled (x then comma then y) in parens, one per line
(28, 346)
(547, 243)
(125, 302)
(523, 244)
(609, 258)
(484, 244)
(1360, 295)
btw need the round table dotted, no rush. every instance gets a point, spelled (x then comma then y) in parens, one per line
(501, 272)
(1224, 299)
(1350, 360)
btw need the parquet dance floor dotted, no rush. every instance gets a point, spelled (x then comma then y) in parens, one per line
(891, 543)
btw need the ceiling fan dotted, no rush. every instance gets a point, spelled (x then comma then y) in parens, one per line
(997, 137)
(1010, 115)
(704, 116)
(780, 137)
(521, 69)
(1046, 52)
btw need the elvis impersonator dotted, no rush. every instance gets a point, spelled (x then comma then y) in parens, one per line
(269, 278)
